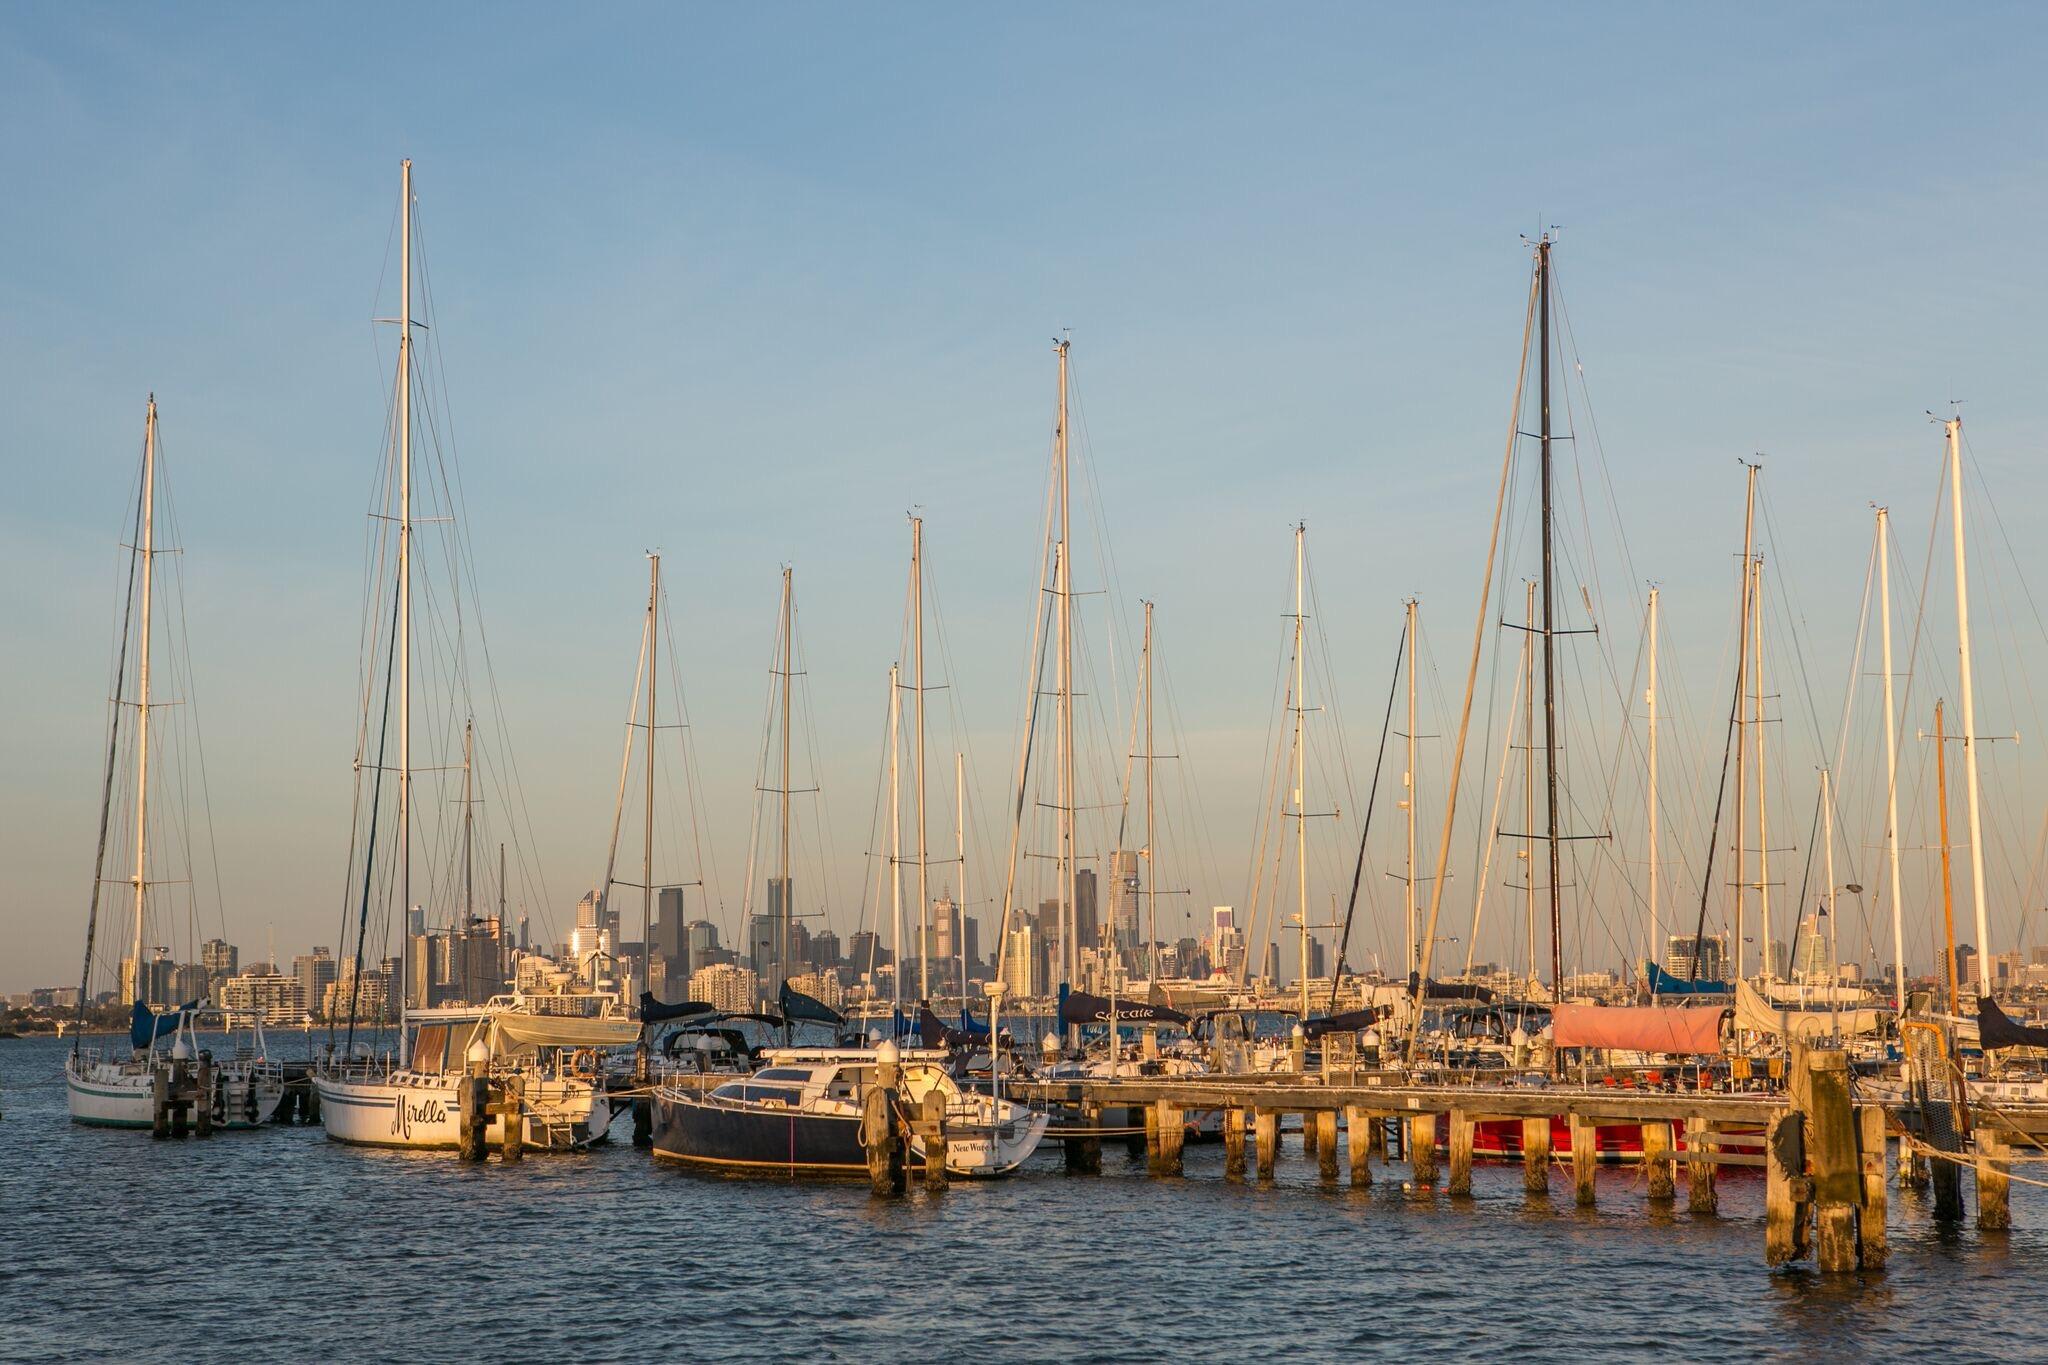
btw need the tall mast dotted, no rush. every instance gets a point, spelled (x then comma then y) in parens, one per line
(647, 840)
(1529, 770)
(1301, 760)
(1408, 782)
(924, 896)
(468, 825)
(142, 694)
(1650, 704)
(1954, 427)
(1151, 848)
(895, 837)
(1549, 631)
(1827, 799)
(1736, 884)
(960, 854)
(405, 540)
(1948, 900)
(1763, 831)
(1064, 574)
(779, 930)
(1891, 762)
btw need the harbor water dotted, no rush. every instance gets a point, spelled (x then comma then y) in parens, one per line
(279, 1245)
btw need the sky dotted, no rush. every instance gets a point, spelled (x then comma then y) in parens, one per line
(745, 285)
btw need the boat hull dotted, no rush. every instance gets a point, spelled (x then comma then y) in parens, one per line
(763, 1141)
(424, 1113)
(113, 1095)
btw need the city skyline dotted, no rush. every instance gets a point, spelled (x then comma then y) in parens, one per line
(676, 356)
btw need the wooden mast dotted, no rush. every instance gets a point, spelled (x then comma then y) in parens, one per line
(1069, 911)
(1408, 801)
(1763, 832)
(1529, 770)
(1650, 806)
(405, 543)
(779, 931)
(1948, 902)
(1151, 848)
(1736, 884)
(1301, 760)
(895, 837)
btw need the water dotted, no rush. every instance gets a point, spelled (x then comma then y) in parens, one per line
(281, 1246)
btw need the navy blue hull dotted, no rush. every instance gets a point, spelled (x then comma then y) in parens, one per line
(737, 1137)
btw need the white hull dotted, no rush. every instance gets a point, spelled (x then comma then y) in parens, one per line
(123, 1095)
(982, 1142)
(424, 1112)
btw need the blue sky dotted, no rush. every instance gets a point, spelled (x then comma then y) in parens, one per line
(746, 284)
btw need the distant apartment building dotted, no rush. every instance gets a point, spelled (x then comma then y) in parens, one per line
(725, 986)
(259, 996)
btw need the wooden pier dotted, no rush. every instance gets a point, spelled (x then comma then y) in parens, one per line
(1824, 1152)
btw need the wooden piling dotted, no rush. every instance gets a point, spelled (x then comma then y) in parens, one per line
(1873, 1244)
(475, 1117)
(884, 1144)
(1084, 1150)
(1169, 1131)
(203, 1096)
(1788, 1194)
(160, 1103)
(643, 1103)
(932, 1128)
(1831, 1152)
(1149, 1116)
(1912, 1173)
(1657, 1157)
(1702, 1194)
(1309, 1136)
(1358, 1133)
(1994, 1180)
(1536, 1155)
(1326, 1145)
(1266, 1136)
(1585, 1159)
(1422, 1148)
(1233, 1143)
(512, 1120)
(181, 1100)
(1462, 1128)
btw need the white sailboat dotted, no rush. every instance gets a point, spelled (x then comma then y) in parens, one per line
(552, 1044)
(115, 1086)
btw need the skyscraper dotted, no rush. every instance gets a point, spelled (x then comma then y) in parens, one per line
(1087, 927)
(315, 972)
(1124, 888)
(220, 959)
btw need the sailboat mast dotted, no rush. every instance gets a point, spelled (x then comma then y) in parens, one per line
(1891, 762)
(405, 540)
(647, 840)
(1736, 885)
(960, 855)
(142, 695)
(779, 930)
(1529, 770)
(1955, 487)
(1650, 804)
(1151, 848)
(924, 896)
(1948, 900)
(468, 824)
(1408, 783)
(1069, 910)
(1763, 831)
(1301, 759)
(895, 838)
(1549, 627)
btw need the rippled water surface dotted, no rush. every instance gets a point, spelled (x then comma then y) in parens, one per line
(279, 1245)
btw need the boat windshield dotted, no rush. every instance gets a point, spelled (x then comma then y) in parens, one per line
(744, 1092)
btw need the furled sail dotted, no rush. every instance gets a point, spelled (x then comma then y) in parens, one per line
(1681, 1029)
(145, 1028)
(799, 1008)
(1351, 1021)
(1082, 1008)
(1998, 1029)
(1759, 1015)
(1664, 983)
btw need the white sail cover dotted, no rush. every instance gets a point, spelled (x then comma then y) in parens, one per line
(517, 1033)
(1759, 1015)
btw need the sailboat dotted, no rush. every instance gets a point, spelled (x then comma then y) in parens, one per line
(552, 1043)
(115, 1087)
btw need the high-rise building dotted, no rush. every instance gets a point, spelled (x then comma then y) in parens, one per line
(865, 953)
(159, 980)
(700, 939)
(416, 920)
(1023, 965)
(260, 995)
(1814, 957)
(669, 921)
(1124, 886)
(1711, 952)
(478, 960)
(823, 987)
(725, 986)
(1966, 966)
(220, 958)
(316, 972)
(824, 949)
(1226, 943)
(761, 943)
(1271, 971)
(1087, 925)
(189, 981)
(772, 962)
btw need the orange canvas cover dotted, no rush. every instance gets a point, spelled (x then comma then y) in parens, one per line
(1639, 1028)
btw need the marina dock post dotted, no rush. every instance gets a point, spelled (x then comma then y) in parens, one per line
(1326, 1145)
(512, 1109)
(1870, 1141)
(1657, 1159)
(1358, 1132)
(1165, 1130)
(1702, 1194)
(1233, 1143)
(1461, 1153)
(1536, 1155)
(202, 1095)
(881, 1133)
(1585, 1159)
(475, 1099)
(1994, 1180)
(932, 1128)
(1266, 1135)
(1084, 1153)
(643, 1103)
(1422, 1149)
